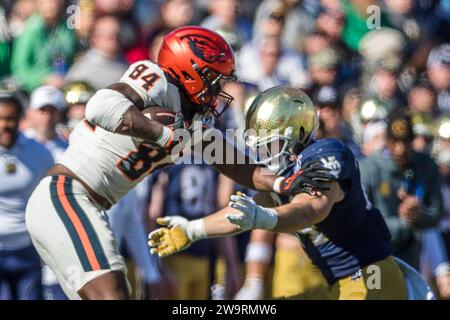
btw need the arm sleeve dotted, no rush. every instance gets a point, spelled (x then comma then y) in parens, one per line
(401, 232)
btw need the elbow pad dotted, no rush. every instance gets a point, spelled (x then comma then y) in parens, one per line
(106, 109)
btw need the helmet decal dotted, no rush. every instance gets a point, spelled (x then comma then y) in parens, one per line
(204, 48)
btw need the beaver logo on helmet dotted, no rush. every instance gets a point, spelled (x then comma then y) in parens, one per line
(204, 48)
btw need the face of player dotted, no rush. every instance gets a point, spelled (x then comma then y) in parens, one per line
(9, 124)
(400, 151)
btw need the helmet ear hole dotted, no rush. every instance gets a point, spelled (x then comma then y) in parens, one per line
(301, 134)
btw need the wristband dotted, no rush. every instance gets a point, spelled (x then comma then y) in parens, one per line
(166, 137)
(277, 184)
(195, 230)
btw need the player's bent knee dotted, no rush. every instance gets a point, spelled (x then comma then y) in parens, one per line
(110, 286)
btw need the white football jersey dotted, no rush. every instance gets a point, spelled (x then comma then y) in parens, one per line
(110, 163)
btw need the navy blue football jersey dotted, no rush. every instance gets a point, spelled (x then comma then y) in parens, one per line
(354, 234)
(191, 193)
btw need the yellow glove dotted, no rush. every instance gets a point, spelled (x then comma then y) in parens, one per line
(178, 234)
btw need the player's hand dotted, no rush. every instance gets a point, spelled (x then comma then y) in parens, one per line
(251, 215)
(173, 238)
(176, 125)
(312, 176)
(253, 289)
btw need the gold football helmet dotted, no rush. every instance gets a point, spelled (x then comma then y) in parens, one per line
(279, 123)
(443, 129)
(78, 93)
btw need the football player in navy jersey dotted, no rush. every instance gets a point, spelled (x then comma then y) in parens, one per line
(343, 235)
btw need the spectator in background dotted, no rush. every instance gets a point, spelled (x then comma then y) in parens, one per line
(21, 10)
(423, 133)
(269, 20)
(172, 14)
(383, 86)
(438, 70)
(5, 46)
(331, 124)
(103, 64)
(23, 163)
(422, 104)
(176, 13)
(374, 138)
(46, 48)
(267, 65)
(46, 109)
(356, 26)
(322, 69)
(85, 21)
(299, 24)
(442, 156)
(405, 186)
(225, 15)
(131, 32)
(155, 43)
(76, 96)
(422, 99)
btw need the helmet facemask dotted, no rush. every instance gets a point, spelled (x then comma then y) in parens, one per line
(277, 152)
(213, 90)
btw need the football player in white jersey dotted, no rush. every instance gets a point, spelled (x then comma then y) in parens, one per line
(109, 154)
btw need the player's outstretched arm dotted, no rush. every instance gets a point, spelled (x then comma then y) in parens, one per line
(178, 233)
(305, 210)
(244, 214)
(251, 176)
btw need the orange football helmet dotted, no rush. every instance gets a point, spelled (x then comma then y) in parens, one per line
(198, 58)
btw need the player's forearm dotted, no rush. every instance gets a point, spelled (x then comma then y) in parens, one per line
(247, 175)
(137, 125)
(114, 112)
(217, 225)
(241, 170)
(295, 216)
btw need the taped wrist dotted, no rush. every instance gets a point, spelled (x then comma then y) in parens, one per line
(277, 184)
(166, 137)
(195, 230)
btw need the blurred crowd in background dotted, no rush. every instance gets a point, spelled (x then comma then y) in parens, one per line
(359, 60)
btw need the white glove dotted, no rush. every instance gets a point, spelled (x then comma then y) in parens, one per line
(253, 289)
(252, 215)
